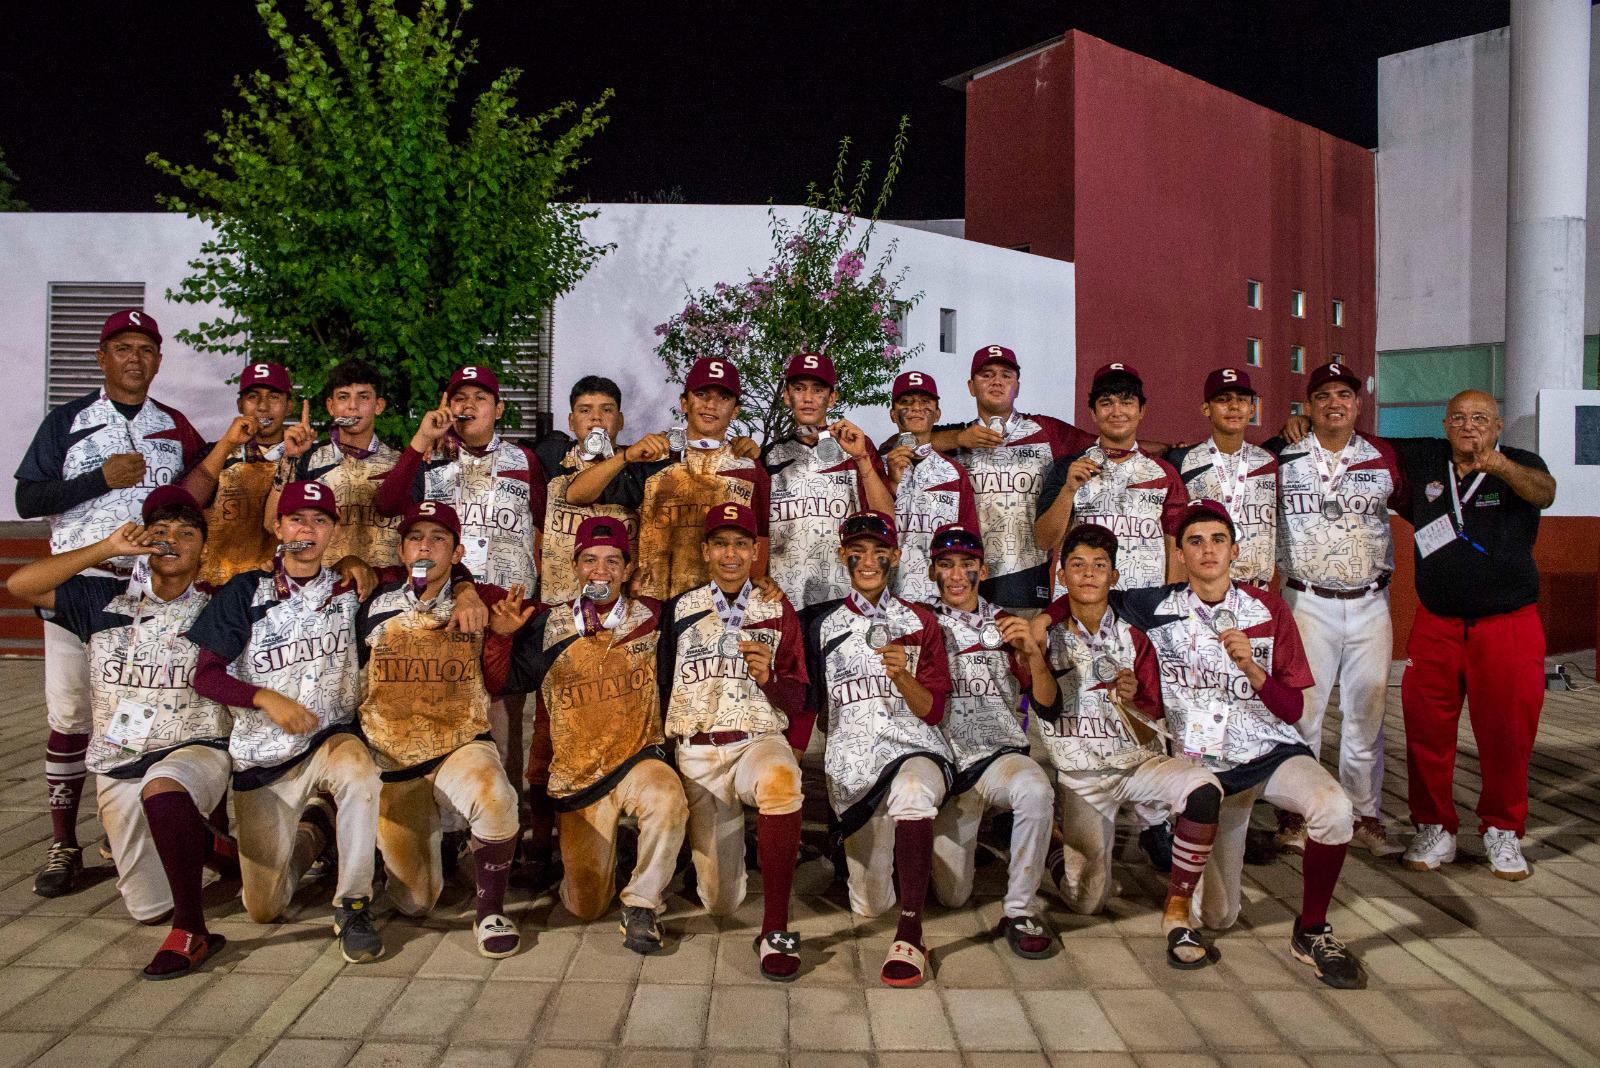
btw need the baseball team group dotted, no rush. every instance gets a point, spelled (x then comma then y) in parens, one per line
(572, 663)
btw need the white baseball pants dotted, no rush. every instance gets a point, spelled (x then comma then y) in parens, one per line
(719, 781)
(1013, 782)
(915, 794)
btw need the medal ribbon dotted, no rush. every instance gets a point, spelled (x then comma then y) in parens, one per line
(587, 616)
(732, 615)
(1329, 483)
(354, 452)
(1232, 486)
(866, 608)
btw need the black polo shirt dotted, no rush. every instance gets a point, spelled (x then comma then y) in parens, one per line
(1459, 580)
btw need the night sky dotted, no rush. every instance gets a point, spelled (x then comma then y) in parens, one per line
(723, 103)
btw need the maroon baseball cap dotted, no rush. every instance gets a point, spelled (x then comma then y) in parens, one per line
(130, 319)
(914, 382)
(474, 375)
(869, 524)
(1333, 372)
(1225, 379)
(163, 496)
(811, 365)
(270, 375)
(955, 538)
(600, 530)
(1199, 509)
(298, 495)
(431, 512)
(730, 514)
(714, 371)
(994, 354)
(1110, 369)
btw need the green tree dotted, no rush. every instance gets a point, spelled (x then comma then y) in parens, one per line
(350, 222)
(817, 294)
(8, 185)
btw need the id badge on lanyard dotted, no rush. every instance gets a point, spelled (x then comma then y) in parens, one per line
(1431, 537)
(477, 555)
(129, 729)
(1204, 731)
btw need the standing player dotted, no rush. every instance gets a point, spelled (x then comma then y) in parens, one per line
(1115, 484)
(1244, 477)
(1231, 669)
(352, 462)
(236, 477)
(277, 646)
(879, 677)
(983, 727)
(159, 751)
(930, 489)
(1335, 488)
(592, 663)
(732, 672)
(596, 422)
(821, 473)
(425, 715)
(1097, 708)
(1007, 454)
(89, 468)
(673, 479)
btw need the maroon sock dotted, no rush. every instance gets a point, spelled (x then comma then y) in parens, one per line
(491, 866)
(181, 838)
(64, 773)
(913, 861)
(1319, 873)
(1191, 847)
(778, 846)
(219, 816)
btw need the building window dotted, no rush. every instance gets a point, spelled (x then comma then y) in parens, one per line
(534, 366)
(76, 311)
(947, 330)
(1255, 415)
(1296, 408)
(900, 312)
(1338, 313)
(1337, 357)
(1297, 359)
(1252, 293)
(1297, 303)
(1252, 351)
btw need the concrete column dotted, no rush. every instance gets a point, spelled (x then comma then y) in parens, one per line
(1545, 206)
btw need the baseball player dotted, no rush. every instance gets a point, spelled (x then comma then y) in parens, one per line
(596, 422)
(819, 474)
(930, 489)
(88, 469)
(673, 479)
(1007, 453)
(1098, 711)
(159, 751)
(992, 654)
(425, 716)
(1335, 488)
(731, 667)
(277, 647)
(351, 462)
(592, 664)
(1231, 671)
(1227, 468)
(879, 678)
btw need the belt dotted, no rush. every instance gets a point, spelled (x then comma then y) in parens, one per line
(1338, 595)
(718, 737)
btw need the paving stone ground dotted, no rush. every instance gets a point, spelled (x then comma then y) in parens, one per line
(1464, 969)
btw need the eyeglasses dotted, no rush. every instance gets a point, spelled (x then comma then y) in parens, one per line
(865, 524)
(1479, 420)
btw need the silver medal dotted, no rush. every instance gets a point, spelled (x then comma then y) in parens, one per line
(997, 424)
(906, 441)
(1105, 669)
(295, 546)
(163, 548)
(264, 421)
(828, 450)
(419, 574)
(728, 644)
(989, 635)
(345, 422)
(677, 439)
(597, 444)
(877, 636)
(1222, 620)
(598, 592)
(1332, 509)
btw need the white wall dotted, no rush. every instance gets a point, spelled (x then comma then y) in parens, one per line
(1442, 150)
(604, 326)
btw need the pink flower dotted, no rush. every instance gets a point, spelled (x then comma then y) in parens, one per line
(891, 352)
(661, 330)
(877, 308)
(827, 295)
(890, 328)
(849, 266)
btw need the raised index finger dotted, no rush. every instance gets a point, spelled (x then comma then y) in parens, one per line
(305, 412)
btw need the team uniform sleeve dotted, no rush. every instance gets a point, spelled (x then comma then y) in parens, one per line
(786, 685)
(223, 626)
(933, 665)
(1055, 480)
(193, 445)
(550, 450)
(761, 500)
(537, 494)
(213, 681)
(528, 661)
(1065, 439)
(401, 486)
(1400, 496)
(77, 605)
(41, 491)
(966, 498)
(1177, 501)
(667, 650)
(876, 459)
(627, 489)
(1289, 665)
(816, 666)
(1147, 669)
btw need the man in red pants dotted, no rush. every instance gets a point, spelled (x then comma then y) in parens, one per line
(1475, 505)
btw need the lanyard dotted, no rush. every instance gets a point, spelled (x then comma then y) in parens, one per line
(1457, 499)
(354, 452)
(305, 592)
(1329, 483)
(127, 424)
(732, 615)
(492, 450)
(587, 616)
(975, 620)
(866, 608)
(1232, 486)
(704, 444)
(1104, 638)
(138, 617)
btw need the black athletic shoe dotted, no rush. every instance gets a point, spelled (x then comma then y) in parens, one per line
(1157, 845)
(1335, 964)
(359, 939)
(319, 814)
(59, 876)
(640, 931)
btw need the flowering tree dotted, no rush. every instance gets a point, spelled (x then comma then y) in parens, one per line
(817, 294)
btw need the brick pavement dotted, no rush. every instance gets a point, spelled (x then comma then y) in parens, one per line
(1465, 969)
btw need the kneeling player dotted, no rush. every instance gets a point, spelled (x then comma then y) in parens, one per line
(1213, 637)
(733, 680)
(592, 662)
(159, 750)
(426, 718)
(982, 725)
(1108, 754)
(879, 676)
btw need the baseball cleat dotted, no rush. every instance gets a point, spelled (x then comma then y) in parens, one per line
(1373, 836)
(1334, 963)
(63, 864)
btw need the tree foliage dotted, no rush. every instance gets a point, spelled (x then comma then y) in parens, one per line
(817, 294)
(9, 200)
(350, 220)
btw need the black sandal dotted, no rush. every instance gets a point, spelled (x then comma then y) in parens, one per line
(1187, 936)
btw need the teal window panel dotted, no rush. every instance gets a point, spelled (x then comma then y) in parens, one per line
(1412, 421)
(1420, 376)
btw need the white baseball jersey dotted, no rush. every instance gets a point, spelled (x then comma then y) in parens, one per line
(1348, 546)
(558, 580)
(808, 502)
(1246, 483)
(500, 498)
(1088, 734)
(982, 716)
(1137, 500)
(933, 492)
(354, 476)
